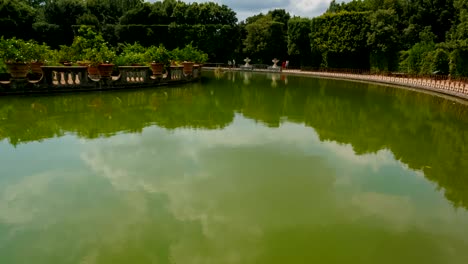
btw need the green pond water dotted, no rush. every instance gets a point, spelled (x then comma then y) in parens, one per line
(239, 168)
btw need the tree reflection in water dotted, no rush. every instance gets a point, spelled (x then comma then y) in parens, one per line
(426, 132)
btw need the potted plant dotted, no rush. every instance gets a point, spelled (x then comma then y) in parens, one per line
(102, 58)
(189, 55)
(16, 55)
(39, 53)
(90, 48)
(62, 56)
(131, 55)
(106, 56)
(99, 59)
(159, 58)
(130, 59)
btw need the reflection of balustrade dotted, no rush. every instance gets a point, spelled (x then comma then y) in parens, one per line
(65, 75)
(134, 74)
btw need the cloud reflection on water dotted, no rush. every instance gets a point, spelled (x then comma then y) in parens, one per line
(245, 194)
(247, 181)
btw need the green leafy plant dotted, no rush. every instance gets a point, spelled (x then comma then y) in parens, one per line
(99, 55)
(189, 53)
(15, 50)
(89, 47)
(39, 52)
(158, 54)
(132, 54)
(64, 54)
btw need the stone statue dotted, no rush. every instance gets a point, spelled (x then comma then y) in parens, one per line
(247, 60)
(275, 61)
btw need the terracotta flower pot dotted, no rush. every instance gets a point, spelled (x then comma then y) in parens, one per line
(188, 67)
(157, 68)
(93, 70)
(18, 70)
(36, 67)
(105, 69)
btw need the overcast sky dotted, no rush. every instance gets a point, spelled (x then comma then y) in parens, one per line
(246, 8)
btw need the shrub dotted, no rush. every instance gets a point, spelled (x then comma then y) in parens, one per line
(158, 54)
(189, 53)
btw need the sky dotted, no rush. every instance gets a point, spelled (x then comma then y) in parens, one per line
(246, 8)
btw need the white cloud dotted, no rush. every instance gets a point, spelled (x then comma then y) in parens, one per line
(246, 8)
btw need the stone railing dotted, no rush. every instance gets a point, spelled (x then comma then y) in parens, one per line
(437, 83)
(176, 73)
(60, 76)
(196, 73)
(69, 78)
(134, 74)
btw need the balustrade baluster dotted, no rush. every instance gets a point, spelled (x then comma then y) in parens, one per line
(77, 78)
(55, 79)
(70, 78)
(63, 81)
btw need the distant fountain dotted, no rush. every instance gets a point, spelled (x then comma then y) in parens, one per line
(275, 66)
(247, 66)
(275, 61)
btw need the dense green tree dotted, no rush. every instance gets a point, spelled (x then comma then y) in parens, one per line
(458, 40)
(441, 62)
(16, 18)
(355, 34)
(108, 11)
(419, 59)
(61, 15)
(266, 36)
(138, 15)
(341, 39)
(383, 39)
(299, 42)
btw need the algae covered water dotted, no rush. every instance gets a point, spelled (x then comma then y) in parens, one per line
(239, 168)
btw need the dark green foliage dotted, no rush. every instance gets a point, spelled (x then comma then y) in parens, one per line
(16, 18)
(383, 39)
(441, 62)
(459, 62)
(382, 35)
(266, 36)
(138, 15)
(341, 38)
(61, 15)
(299, 42)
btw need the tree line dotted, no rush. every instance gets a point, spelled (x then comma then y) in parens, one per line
(416, 36)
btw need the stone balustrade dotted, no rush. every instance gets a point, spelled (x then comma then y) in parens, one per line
(176, 73)
(441, 84)
(70, 78)
(61, 76)
(134, 74)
